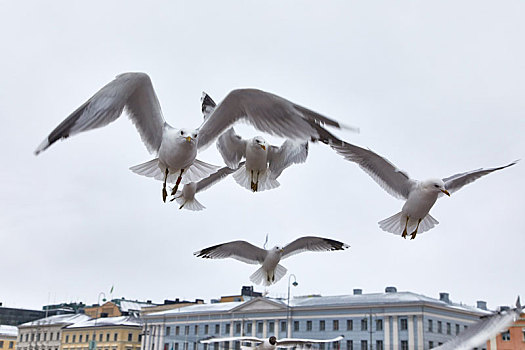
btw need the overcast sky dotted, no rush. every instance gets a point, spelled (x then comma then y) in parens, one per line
(436, 87)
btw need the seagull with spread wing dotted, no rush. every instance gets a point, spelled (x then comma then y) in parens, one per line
(176, 149)
(272, 343)
(419, 196)
(271, 271)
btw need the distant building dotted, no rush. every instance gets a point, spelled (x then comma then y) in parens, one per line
(247, 293)
(111, 333)
(14, 316)
(170, 305)
(391, 320)
(63, 308)
(45, 333)
(512, 339)
(117, 307)
(8, 337)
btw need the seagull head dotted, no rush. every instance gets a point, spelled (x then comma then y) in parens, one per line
(188, 135)
(259, 141)
(278, 249)
(435, 185)
(272, 340)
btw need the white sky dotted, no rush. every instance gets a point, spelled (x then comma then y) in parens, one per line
(436, 87)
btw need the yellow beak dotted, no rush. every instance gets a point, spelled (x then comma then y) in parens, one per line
(188, 138)
(263, 147)
(446, 192)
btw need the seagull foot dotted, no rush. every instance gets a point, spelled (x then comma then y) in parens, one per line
(164, 194)
(413, 235)
(254, 186)
(177, 183)
(404, 234)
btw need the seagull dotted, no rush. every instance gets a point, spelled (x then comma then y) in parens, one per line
(420, 196)
(270, 272)
(176, 149)
(186, 197)
(488, 327)
(272, 343)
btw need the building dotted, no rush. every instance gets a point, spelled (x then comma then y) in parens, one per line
(391, 320)
(105, 333)
(64, 308)
(247, 293)
(14, 317)
(8, 337)
(117, 307)
(512, 339)
(170, 305)
(45, 333)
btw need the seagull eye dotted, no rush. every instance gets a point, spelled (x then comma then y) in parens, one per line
(182, 132)
(436, 186)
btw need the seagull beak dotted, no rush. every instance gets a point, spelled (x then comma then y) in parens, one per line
(446, 192)
(282, 250)
(188, 138)
(263, 147)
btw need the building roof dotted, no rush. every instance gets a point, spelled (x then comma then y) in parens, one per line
(9, 331)
(200, 308)
(108, 321)
(57, 320)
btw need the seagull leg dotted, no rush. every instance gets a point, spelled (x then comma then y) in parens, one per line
(174, 190)
(413, 235)
(182, 205)
(164, 192)
(254, 182)
(404, 234)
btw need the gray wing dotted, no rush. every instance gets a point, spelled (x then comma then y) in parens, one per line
(312, 244)
(231, 147)
(211, 180)
(479, 333)
(217, 340)
(387, 175)
(290, 342)
(207, 105)
(456, 182)
(289, 153)
(240, 250)
(132, 91)
(266, 112)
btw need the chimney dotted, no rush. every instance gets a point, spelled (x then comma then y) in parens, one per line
(358, 291)
(444, 297)
(503, 308)
(481, 304)
(390, 290)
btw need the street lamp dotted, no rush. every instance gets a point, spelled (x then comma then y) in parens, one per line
(93, 342)
(289, 313)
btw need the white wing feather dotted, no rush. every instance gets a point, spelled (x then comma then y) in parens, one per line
(239, 250)
(289, 153)
(312, 244)
(232, 148)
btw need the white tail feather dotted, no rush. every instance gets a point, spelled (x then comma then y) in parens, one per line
(265, 181)
(195, 172)
(396, 224)
(261, 277)
(258, 276)
(190, 204)
(392, 224)
(427, 223)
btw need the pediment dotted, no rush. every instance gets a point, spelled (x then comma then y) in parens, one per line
(260, 304)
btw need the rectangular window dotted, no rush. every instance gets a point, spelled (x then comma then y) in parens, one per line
(449, 328)
(87, 337)
(1, 344)
(404, 344)
(308, 326)
(457, 329)
(321, 346)
(296, 326)
(205, 346)
(67, 338)
(271, 327)
(107, 337)
(430, 344)
(238, 328)
(79, 338)
(349, 345)
(22, 337)
(364, 324)
(10, 345)
(206, 329)
(283, 326)
(74, 338)
(58, 336)
(364, 345)
(259, 327)
(130, 336)
(168, 331)
(227, 328)
(440, 329)
(100, 337)
(249, 328)
(237, 345)
(379, 325)
(176, 346)
(403, 324)
(45, 337)
(505, 336)
(335, 325)
(186, 330)
(226, 345)
(196, 329)
(27, 336)
(140, 338)
(177, 330)
(379, 345)
(321, 325)
(166, 346)
(349, 325)
(430, 326)
(115, 337)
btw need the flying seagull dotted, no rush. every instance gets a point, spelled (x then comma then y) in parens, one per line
(176, 149)
(488, 327)
(272, 343)
(186, 197)
(270, 272)
(420, 196)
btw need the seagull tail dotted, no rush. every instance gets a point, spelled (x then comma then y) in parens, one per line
(279, 272)
(149, 169)
(427, 223)
(264, 180)
(392, 224)
(190, 204)
(258, 276)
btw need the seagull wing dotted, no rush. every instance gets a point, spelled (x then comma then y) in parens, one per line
(231, 147)
(211, 180)
(291, 342)
(240, 250)
(456, 182)
(479, 333)
(266, 112)
(207, 105)
(387, 175)
(217, 340)
(280, 158)
(132, 91)
(312, 244)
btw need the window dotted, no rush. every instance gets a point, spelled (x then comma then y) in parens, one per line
(21, 337)
(115, 337)
(99, 337)
(27, 336)
(177, 330)
(403, 324)
(196, 329)
(349, 345)
(237, 328)
(271, 327)
(249, 328)
(349, 325)
(283, 326)
(130, 336)
(140, 338)
(440, 330)
(58, 336)
(379, 345)
(335, 325)
(38, 337)
(186, 330)
(87, 337)
(364, 345)
(505, 336)
(206, 329)
(457, 329)
(74, 338)
(1, 343)
(166, 346)
(296, 326)
(45, 337)
(449, 330)
(79, 338)
(308, 326)
(67, 338)
(107, 337)
(205, 346)
(226, 345)
(227, 328)
(32, 336)
(404, 344)
(430, 326)
(364, 324)
(259, 327)
(430, 344)
(322, 325)
(379, 325)
(237, 345)
(10, 345)
(321, 346)
(176, 346)
(168, 330)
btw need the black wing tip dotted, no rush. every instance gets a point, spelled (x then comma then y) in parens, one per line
(206, 101)
(336, 245)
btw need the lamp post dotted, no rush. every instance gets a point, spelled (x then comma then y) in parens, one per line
(93, 342)
(288, 311)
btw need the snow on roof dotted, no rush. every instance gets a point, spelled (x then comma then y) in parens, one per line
(108, 321)
(199, 308)
(127, 305)
(9, 331)
(57, 320)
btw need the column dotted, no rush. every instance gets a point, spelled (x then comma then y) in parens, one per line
(493, 345)
(265, 328)
(387, 332)
(411, 339)
(395, 333)
(276, 328)
(420, 344)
